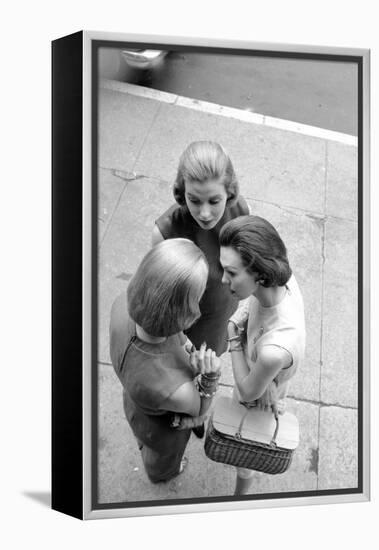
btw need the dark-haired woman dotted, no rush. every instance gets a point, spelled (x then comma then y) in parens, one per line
(166, 391)
(267, 338)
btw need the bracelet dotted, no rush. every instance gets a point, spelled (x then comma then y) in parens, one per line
(207, 395)
(204, 390)
(208, 384)
(240, 329)
(232, 338)
(235, 349)
(211, 375)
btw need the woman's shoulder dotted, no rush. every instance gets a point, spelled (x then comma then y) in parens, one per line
(121, 328)
(119, 312)
(173, 222)
(157, 373)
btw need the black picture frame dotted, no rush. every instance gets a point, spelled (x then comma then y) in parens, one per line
(76, 131)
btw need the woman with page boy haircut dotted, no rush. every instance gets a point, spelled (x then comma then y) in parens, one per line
(207, 195)
(267, 336)
(166, 390)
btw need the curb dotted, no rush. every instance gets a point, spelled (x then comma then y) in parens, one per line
(228, 112)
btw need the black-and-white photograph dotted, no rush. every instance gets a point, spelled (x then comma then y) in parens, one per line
(229, 289)
(188, 252)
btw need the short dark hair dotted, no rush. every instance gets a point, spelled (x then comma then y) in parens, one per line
(202, 161)
(261, 249)
(164, 293)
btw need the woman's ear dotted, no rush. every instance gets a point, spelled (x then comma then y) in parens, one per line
(260, 280)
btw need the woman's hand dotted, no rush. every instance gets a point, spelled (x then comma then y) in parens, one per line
(238, 321)
(205, 361)
(269, 400)
(269, 397)
(236, 336)
(237, 328)
(188, 422)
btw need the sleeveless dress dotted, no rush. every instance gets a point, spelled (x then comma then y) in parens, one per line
(217, 303)
(149, 374)
(282, 325)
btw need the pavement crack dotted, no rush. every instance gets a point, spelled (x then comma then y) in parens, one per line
(124, 276)
(326, 178)
(318, 219)
(154, 118)
(126, 175)
(320, 403)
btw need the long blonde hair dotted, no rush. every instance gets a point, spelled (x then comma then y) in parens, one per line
(164, 293)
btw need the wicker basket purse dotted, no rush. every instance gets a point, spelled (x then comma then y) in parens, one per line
(251, 438)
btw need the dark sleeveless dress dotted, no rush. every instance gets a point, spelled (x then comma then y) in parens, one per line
(149, 374)
(217, 303)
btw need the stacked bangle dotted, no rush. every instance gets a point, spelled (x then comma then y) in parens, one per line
(207, 384)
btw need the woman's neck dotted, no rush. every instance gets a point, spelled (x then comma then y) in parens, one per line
(145, 337)
(270, 296)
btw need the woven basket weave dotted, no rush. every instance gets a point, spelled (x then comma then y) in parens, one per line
(267, 458)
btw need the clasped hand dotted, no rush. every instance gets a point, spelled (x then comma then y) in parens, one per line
(204, 361)
(187, 422)
(270, 400)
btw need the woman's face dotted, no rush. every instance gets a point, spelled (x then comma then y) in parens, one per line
(206, 202)
(241, 282)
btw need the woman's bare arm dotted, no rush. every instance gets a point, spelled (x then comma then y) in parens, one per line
(187, 399)
(252, 384)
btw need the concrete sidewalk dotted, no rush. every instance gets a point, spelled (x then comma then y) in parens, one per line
(304, 181)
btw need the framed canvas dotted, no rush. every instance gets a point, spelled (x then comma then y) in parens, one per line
(295, 122)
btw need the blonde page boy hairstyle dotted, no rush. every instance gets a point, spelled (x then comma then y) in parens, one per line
(202, 161)
(164, 293)
(261, 249)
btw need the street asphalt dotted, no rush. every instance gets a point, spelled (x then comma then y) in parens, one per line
(305, 183)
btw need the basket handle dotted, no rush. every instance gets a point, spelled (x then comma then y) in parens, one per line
(239, 431)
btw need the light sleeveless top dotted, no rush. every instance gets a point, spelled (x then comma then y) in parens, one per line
(282, 325)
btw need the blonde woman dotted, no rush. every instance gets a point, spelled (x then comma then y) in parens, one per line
(166, 391)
